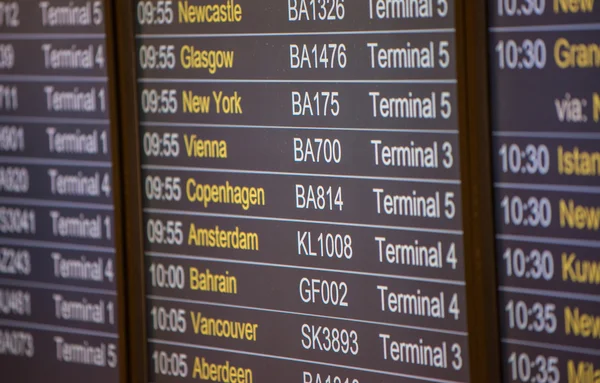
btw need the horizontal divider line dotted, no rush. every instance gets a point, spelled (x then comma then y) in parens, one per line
(20, 243)
(51, 328)
(52, 120)
(54, 286)
(550, 240)
(334, 223)
(51, 161)
(141, 36)
(548, 28)
(551, 135)
(552, 346)
(549, 187)
(295, 267)
(345, 319)
(56, 203)
(218, 170)
(266, 81)
(550, 293)
(51, 36)
(233, 126)
(368, 370)
(52, 78)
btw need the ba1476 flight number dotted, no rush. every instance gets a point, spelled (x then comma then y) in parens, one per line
(326, 56)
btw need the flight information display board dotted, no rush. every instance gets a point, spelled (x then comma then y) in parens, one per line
(302, 191)
(544, 69)
(57, 267)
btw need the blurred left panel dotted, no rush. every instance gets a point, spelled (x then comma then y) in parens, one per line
(59, 254)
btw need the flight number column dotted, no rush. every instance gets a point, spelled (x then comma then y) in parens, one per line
(302, 192)
(57, 286)
(545, 116)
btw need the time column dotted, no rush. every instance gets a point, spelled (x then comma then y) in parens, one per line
(545, 116)
(57, 269)
(301, 184)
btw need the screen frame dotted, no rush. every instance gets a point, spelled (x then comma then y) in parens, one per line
(476, 188)
(119, 200)
(480, 250)
(131, 212)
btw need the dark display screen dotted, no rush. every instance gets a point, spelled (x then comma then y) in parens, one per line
(57, 267)
(302, 191)
(544, 60)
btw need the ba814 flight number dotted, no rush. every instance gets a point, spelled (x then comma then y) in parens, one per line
(319, 197)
